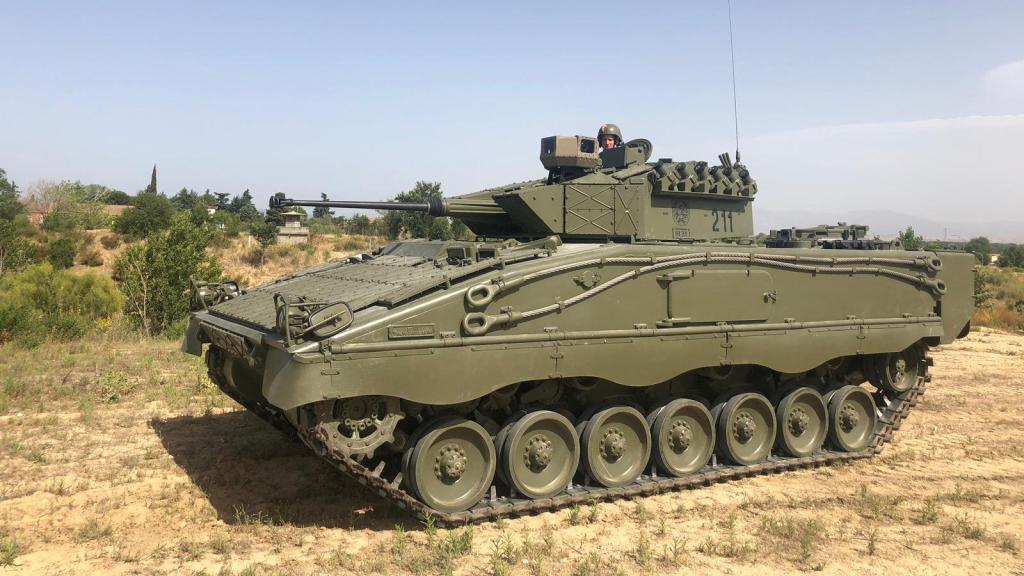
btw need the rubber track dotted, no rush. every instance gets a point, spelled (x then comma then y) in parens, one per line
(892, 410)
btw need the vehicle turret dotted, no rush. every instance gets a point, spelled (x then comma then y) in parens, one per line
(588, 195)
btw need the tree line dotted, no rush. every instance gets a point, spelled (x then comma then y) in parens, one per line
(168, 240)
(1009, 255)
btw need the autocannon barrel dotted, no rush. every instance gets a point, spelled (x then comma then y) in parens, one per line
(434, 206)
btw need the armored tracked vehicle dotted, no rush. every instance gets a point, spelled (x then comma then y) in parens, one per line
(613, 331)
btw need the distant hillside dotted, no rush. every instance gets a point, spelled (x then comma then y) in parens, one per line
(887, 224)
(238, 256)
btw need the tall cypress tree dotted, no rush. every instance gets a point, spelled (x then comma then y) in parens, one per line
(319, 212)
(152, 182)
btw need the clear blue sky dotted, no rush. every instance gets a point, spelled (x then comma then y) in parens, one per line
(361, 100)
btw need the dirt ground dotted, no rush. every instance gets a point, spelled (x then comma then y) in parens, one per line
(157, 484)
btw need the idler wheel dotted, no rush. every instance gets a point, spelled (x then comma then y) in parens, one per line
(539, 453)
(451, 465)
(683, 434)
(616, 444)
(745, 428)
(852, 417)
(896, 372)
(802, 419)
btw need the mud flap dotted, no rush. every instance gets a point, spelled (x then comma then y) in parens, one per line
(191, 344)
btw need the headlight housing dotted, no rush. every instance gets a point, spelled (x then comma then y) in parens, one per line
(205, 294)
(297, 318)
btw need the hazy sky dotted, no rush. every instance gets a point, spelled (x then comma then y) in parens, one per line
(911, 106)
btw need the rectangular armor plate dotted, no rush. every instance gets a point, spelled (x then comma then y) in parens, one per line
(720, 295)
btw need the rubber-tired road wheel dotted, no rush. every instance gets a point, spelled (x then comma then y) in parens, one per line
(616, 444)
(451, 465)
(539, 453)
(746, 428)
(683, 435)
(803, 422)
(852, 417)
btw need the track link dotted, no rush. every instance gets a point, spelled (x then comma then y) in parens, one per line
(892, 410)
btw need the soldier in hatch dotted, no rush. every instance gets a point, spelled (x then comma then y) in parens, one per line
(609, 136)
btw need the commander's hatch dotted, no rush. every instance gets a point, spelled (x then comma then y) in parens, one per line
(633, 153)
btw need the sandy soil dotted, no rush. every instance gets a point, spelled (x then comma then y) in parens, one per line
(141, 488)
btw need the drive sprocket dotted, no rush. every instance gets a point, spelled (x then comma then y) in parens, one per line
(357, 427)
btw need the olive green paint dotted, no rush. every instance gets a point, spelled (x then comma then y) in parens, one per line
(606, 304)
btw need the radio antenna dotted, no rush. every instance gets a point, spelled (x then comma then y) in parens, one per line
(735, 107)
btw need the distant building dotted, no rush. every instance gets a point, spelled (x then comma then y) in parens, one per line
(115, 210)
(293, 232)
(37, 210)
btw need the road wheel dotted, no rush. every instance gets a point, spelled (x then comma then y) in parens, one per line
(852, 418)
(746, 429)
(683, 436)
(616, 444)
(539, 454)
(803, 422)
(451, 465)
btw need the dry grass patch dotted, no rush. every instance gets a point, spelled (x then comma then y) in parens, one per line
(94, 530)
(798, 538)
(872, 505)
(10, 548)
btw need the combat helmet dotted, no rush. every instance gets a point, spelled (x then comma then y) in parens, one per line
(610, 130)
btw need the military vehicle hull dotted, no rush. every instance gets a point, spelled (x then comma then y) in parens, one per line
(470, 380)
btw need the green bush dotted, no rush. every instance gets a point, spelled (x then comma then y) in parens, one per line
(74, 207)
(264, 232)
(219, 241)
(910, 239)
(230, 225)
(980, 247)
(999, 298)
(154, 275)
(90, 257)
(151, 213)
(254, 257)
(324, 227)
(110, 241)
(41, 301)
(51, 291)
(15, 251)
(69, 327)
(176, 331)
(412, 224)
(61, 253)
(9, 204)
(21, 324)
(1011, 257)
